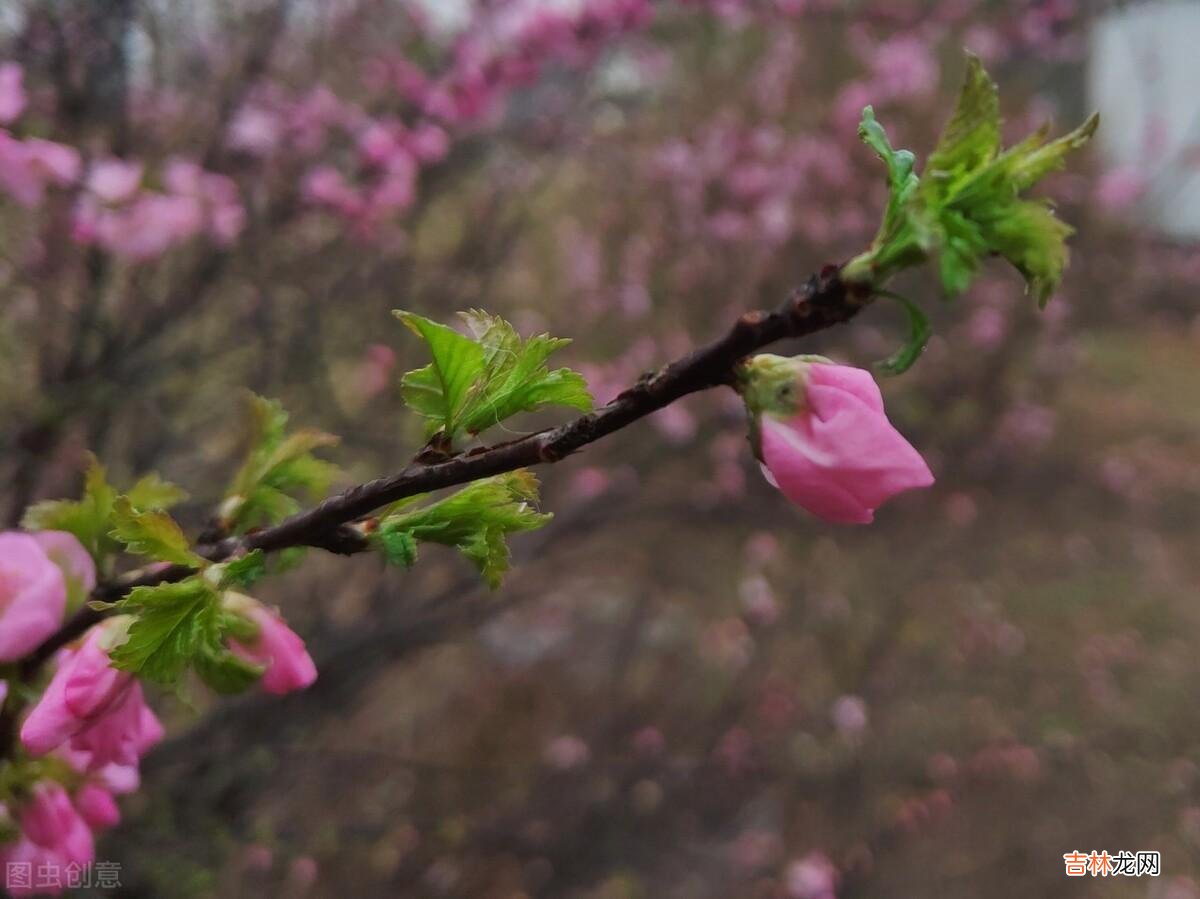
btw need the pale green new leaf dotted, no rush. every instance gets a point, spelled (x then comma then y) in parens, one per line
(919, 332)
(152, 534)
(475, 520)
(277, 469)
(475, 383)
(152, 493)
(967, 205)
(87, 518)
(174, 623)
(440, 390)
(223, 671)
(972, 136)
(516, 377)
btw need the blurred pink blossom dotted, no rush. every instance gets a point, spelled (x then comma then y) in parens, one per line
(566, 752)
(12, 92)
(33, 594)
(812, 877)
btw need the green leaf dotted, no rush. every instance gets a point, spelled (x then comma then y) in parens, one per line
(967, 205)
(153, 534)
(225, 672)
(972, 136)
(919, 332)
(398, 544)
(1029, 236)
(517, 378)
(277, 469)
(243, 572)
(152, 493)
(174, 623)
(439, 391)
(473, 384)
(87, 518)
(475, 520)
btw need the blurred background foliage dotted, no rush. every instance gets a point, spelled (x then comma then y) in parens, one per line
(687, 688)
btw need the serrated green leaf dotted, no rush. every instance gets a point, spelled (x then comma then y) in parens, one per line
(153, 534)
(475, 520)
(243, 572)
(972, 136)
(1034, 240)
(225, 672)
(278, 467)
(966, 206)
(152, 493)
(474, 384)
(87, 518)
(919, 332)
(174, 623)
(439, 391)
(399, 546)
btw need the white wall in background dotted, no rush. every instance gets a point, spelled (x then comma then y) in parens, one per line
(1144, 78)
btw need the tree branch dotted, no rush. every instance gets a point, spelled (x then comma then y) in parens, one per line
(820, 303)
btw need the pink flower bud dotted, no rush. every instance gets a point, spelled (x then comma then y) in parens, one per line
(277, 648)
(824, 439)
(101, 711)
(75, 562)
(54, 840)
(97, 807)
(33, 595)
(12, 92)
(114, 180)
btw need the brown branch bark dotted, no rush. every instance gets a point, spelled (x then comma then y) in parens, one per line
(820, 303)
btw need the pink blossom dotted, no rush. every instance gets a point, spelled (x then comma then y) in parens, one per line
(256, 131)
(327, 186)
(829, 446)
(101, 711)
(849, 715)
(904, 66)
(33, 595)
(566, 752)
(12, 92)
(1120, 188)
(123, 734)
(114, 180)
(812, 877)
(277, 648)
(54, 840)
(75, 562)
(54, 162)
(97, 806)
(28, 166)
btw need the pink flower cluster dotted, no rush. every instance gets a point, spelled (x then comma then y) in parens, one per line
(37, 572)
(28, 166)
(900, 68)
(511, 49)
(113, 210)
(506, 52)
(91, 717)
(138, 224)
(741, 184)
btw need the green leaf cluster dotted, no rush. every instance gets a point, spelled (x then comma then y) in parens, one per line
(279, 468)
(106, 521)
(475, 520)
(477, 381)
(180, 626)
(967, 204)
